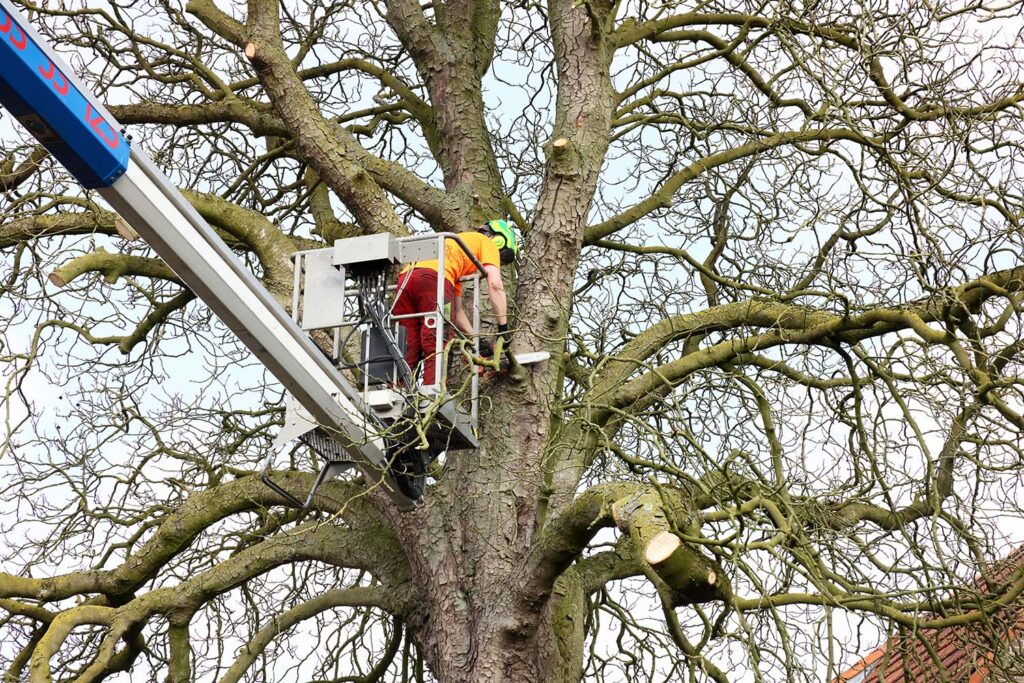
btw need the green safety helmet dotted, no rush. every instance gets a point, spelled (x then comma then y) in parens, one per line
(504, 238)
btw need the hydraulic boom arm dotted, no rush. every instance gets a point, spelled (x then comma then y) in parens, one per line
(41, 92)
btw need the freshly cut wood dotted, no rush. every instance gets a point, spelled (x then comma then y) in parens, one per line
(560, 143)
(690, 575)
(688, 572)
(124, 230)
(661, 547)
(250, 50)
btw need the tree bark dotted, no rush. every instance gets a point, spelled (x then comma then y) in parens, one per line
(473, 539)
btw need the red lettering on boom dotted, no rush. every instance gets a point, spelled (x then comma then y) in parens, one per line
(7, 25)
(96, 123)
(19, 43)
(53, 76)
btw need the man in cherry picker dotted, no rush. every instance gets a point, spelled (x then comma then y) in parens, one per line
(494, 244)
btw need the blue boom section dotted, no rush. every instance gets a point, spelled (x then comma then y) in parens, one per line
(54, 110)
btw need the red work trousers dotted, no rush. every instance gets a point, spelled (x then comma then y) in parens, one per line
(418, 294)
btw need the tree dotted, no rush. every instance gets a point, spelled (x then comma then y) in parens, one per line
(773, 248)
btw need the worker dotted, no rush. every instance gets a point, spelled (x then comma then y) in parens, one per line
(494, 244)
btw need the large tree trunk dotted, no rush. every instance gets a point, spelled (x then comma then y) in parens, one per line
(467, 557)
(470, 543)
(477, 633)
(488, 654)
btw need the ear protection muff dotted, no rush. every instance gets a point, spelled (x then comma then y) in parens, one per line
(498, 236)
(504, 239)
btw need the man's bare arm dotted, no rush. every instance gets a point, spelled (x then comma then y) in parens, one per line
(460, 318)
(496, 293)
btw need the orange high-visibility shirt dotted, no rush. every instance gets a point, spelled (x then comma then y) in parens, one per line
(457, 264)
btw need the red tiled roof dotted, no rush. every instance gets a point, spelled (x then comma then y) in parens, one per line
(957, 654)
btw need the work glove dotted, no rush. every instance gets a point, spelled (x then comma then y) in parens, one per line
(486, 348)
